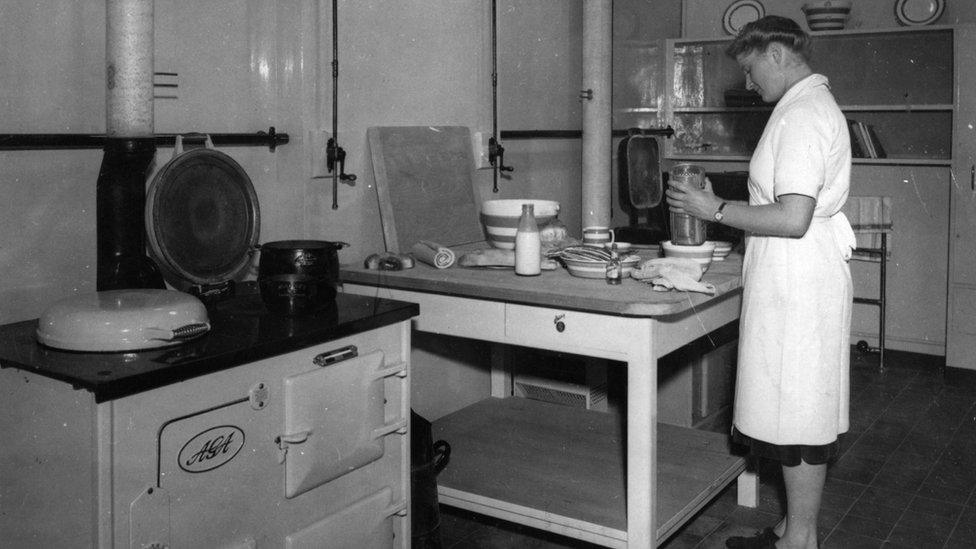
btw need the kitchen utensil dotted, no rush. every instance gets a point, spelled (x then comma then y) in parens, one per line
(298, 276)
(202, 218)
(641, 189)
(686, 229)
(500, 218)
(122, 320)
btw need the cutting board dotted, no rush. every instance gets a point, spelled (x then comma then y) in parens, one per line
(423, 183)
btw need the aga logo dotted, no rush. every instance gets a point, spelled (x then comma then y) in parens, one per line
(211, 449)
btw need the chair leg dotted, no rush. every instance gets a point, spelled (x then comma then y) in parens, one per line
(883, 302)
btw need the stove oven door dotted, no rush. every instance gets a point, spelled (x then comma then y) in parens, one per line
(334, 420)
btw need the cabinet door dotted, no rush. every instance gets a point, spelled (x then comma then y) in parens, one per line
(961, 324)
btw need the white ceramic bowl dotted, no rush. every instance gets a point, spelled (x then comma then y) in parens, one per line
(598, 269)
(827, 14)
(622, 247)
(701, 253)
(722, 250)
(500, 218)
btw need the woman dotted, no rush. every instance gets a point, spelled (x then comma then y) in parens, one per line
(792, 387)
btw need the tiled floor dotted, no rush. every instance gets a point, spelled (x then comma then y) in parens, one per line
(906, 477)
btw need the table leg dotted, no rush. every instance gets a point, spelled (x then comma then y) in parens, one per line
(501, 370)
(747, 489)
(641, 440)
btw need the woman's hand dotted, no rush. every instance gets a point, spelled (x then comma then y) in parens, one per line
(683, 197)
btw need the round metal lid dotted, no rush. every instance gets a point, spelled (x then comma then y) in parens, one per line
(202, 216)
(122, 320)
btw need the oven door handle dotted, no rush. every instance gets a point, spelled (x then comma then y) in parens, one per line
(286, 440)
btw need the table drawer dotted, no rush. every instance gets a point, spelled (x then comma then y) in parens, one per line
(569, 331)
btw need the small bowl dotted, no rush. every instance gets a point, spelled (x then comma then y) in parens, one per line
(701, 253)
(500, 218)
(622, 247)
(722, 250)
(598, 269)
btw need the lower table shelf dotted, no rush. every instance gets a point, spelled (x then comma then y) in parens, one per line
(562, 469)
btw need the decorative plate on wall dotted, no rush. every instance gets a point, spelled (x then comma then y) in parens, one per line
(918, 12)
(740, 13)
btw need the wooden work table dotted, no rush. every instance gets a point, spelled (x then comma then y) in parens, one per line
(571, 471)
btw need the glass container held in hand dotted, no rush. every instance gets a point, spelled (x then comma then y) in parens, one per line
(528, 244)
(686, 229)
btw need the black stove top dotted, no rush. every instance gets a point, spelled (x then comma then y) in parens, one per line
(242, 331)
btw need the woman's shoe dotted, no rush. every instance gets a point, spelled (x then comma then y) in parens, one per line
(765, 539)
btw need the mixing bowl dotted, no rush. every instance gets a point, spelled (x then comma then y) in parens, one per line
(500, 218)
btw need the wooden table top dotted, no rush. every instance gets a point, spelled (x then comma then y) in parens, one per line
(555, 288)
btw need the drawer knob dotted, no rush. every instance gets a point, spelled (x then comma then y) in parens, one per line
(560, 325)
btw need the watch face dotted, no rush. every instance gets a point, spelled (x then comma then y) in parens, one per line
(719, 216)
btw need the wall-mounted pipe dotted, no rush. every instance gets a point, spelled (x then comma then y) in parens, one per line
(130, 148)
(597, 111)
(335, 156)
(496, 153)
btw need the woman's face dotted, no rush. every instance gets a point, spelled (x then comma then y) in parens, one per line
(763, 73)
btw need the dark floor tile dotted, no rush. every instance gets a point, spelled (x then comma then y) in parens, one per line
(867, 527)
(855, 469)
(840, 539)
(837, 502)
(923, 451)
(933, 527)
(900, 481)
(876, 495)
(950, 493)
(844, 488)
(935, 507)
(873, 511)
(907, 537)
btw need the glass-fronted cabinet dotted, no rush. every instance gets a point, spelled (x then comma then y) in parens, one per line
(896, 87)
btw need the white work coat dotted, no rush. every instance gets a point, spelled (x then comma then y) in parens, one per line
(792, 385)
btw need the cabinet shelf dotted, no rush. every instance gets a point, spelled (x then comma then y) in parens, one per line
(562, 469)
(898, 82)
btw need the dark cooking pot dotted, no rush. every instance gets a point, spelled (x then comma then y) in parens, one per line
(298, 276)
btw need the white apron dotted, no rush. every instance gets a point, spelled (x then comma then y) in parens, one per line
(793, 384)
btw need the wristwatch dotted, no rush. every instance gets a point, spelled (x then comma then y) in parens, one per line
(718, 214)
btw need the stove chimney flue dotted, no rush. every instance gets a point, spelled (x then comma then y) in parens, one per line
(130, 149)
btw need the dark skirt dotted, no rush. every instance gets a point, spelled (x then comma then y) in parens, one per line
(789, 455)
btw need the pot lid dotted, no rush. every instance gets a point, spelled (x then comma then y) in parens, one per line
(202, 216)
(122, 320)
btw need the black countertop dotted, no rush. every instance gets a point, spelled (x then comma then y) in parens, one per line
(242, 331)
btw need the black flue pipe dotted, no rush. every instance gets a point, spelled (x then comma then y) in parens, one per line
(120, 227)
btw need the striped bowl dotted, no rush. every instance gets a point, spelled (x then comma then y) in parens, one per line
(598, 269)
(500, 218)
(701, 253)
(827, 14)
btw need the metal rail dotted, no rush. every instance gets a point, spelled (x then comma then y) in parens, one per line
(43, 141)
(576, 134)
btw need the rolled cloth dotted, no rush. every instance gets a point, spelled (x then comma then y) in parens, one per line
(434, 254)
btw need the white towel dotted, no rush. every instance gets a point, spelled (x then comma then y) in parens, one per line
(870, 216)
(434, 254)
(673, 273)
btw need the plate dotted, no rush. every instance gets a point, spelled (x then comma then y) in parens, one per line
(918, 12)
(740, 13)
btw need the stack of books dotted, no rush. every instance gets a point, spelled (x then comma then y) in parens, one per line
(864, 141)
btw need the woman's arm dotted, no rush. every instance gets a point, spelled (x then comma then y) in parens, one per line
(789, 216)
